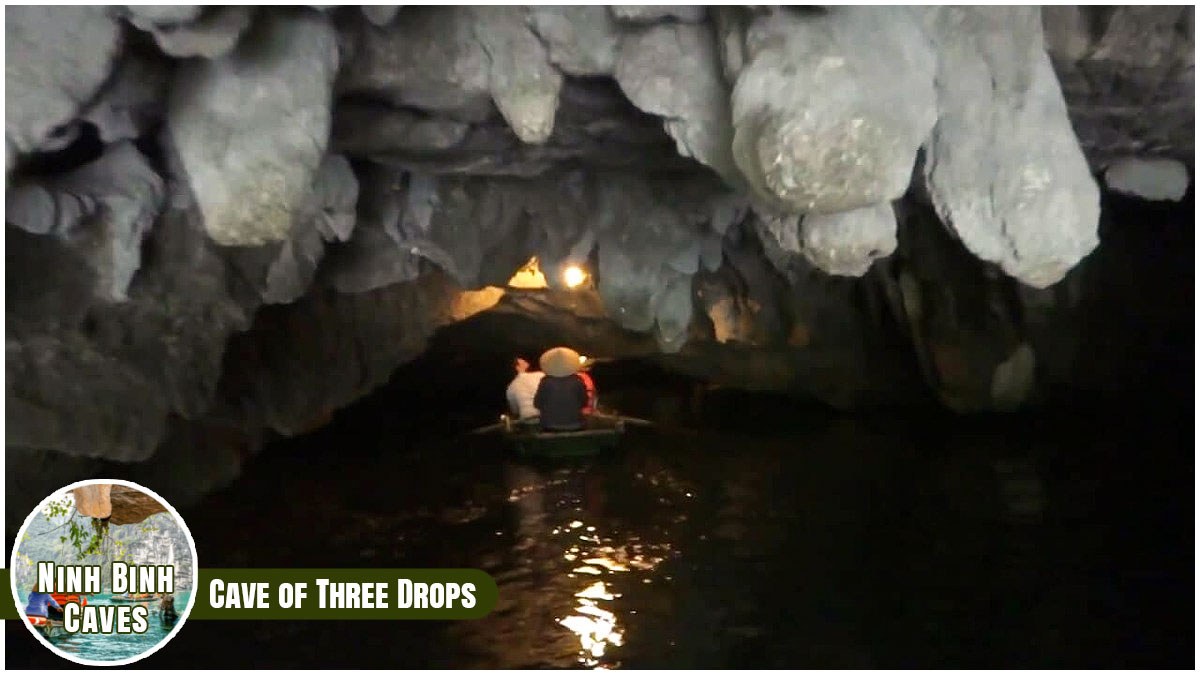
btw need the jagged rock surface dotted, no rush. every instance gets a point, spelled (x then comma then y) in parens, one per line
(672, 71)
(1128, 74)
(250, 128)
(1003, 166)
(831, 107)
(580, 39)
(187, 32)
(55, 59)
(226, 223)
(100, 380)
(523, 83)
(101, 212)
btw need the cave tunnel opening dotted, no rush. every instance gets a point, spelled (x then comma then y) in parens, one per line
(825, 519)
(925, 463)
(757, 515)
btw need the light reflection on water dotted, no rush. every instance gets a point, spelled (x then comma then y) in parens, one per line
(588, 565)
(596, 625)
(598, 563)
(843, 548)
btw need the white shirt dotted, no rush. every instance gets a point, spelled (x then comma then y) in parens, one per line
(521, 392)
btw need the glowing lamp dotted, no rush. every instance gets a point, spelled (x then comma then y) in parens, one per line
(573, 276)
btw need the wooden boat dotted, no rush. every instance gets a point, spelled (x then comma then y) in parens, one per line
(47, 627)
(131, 598)
(529, 440)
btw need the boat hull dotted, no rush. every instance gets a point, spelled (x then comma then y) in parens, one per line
(47, 627)
(534, 442)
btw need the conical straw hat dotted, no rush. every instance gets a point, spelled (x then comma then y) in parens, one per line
(560, 362)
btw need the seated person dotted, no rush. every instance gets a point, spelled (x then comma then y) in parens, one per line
(521, 390)
(42, 604)
(167, 607)
(561, 401)
(561, 396)
(590, 386)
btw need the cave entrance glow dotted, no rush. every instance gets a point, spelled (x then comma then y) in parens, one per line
(528, 276)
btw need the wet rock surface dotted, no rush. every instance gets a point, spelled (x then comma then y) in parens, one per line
(225, 222)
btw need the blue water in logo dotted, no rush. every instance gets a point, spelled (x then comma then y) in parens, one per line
(114, 647)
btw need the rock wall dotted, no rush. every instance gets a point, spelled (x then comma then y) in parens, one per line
(224, 222)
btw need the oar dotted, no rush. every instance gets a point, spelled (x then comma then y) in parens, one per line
(504, 422)
(487, 430)
(635, 421)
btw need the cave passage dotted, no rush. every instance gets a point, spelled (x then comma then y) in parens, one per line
(906, 293)
(746, 530)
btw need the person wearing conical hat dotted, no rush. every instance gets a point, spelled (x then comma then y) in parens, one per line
(561, 396)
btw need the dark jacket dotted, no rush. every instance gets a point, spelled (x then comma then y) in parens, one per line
(560, 401)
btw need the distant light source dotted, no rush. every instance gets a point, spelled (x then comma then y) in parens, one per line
(529, 276)
(573, 276)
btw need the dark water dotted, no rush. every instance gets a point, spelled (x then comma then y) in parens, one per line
(812, 541)
(111, 647)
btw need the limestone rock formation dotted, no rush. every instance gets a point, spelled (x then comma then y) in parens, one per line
(380, 15)
(1128, 75)
(283, 383)
(524, 85)
(428, 59)
(1003, 166)
(101, 212)
(672, 71)
(376, 130)
(118, 504)
(133, 100)
(830, 108)
(55, 60)
(580, 39)
(653, 13)
(227, 223)
(145, 16)
(250, 128)
(134, 362)
(848, 243)
(1153, 179)
(184, 31)
(327, 216)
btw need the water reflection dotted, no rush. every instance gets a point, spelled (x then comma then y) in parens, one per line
(848, 546)
(593, 562)
(595, 626)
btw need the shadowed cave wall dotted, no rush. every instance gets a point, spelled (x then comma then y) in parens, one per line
(226, 223)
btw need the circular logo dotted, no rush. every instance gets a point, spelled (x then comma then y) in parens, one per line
(104, 572)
